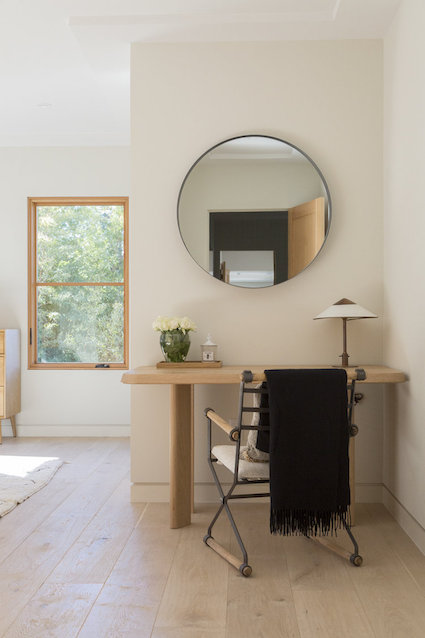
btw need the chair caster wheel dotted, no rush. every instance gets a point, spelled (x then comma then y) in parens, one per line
(245, 570)
(206, 538)
(356, 559)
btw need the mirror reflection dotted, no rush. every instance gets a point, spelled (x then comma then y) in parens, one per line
(254, 211)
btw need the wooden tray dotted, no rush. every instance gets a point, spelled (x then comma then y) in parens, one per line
(189, 364)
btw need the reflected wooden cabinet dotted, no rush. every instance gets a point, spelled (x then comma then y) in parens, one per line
(10, 376)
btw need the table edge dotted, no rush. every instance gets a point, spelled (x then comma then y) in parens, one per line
(230, 375)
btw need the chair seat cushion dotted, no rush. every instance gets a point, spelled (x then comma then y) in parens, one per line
(248, 470)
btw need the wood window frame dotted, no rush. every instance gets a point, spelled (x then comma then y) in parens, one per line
(33, 202)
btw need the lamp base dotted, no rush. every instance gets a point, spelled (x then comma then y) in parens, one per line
(350, 365)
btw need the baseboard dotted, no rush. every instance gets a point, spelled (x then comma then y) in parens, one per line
(207, 492)
(368, 493)
(149, 493)
(65, 430)
(407, 522)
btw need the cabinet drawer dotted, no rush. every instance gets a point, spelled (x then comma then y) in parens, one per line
(1, 342)
(1, 402)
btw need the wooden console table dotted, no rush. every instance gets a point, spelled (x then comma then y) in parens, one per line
(182, 381)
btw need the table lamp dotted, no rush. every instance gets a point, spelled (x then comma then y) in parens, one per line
(347, 311)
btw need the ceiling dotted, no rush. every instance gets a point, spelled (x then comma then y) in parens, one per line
(64, 64)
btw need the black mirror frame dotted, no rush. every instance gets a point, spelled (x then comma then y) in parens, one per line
(278, 139)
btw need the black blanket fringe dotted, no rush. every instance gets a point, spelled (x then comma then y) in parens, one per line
(293, 522)
(309, 436)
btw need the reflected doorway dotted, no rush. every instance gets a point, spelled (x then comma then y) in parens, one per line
(239, 238)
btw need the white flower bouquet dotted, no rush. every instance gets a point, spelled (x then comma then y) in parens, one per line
(174, 339)
(167, 324)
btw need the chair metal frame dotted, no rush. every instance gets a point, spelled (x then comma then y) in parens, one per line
(235, 435)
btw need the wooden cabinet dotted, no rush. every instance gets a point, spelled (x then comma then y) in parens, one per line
(10, 376)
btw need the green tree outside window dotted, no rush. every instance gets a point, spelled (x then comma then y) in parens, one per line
(78, 271)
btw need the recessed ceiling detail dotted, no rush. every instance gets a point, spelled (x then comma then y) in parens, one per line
(80, 63)
(287, 11)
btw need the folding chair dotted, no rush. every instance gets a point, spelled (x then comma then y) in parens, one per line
(248, 473)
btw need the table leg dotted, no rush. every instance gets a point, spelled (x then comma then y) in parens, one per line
(352, 474)
(352, 477)
(192, 450)
(181, 479)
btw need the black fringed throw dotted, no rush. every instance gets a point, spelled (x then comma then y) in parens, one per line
(309, 437)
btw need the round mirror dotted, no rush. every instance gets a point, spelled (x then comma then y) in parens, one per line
(254, 211)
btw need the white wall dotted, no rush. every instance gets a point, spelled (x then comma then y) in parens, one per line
(64, 402)
(324, 97)
(404, 265)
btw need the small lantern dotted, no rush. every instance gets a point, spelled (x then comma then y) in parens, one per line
(209, 350)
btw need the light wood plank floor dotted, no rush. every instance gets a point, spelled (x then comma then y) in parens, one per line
(77, 559)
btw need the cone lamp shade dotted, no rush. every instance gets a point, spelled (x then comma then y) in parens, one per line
(347, 311)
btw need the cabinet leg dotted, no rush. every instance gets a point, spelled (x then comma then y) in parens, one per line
(13, 424)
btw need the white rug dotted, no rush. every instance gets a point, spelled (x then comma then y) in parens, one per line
(22, 476)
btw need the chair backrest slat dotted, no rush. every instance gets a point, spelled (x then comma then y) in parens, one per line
(255, 410)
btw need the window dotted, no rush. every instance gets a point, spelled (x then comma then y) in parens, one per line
(78, 282)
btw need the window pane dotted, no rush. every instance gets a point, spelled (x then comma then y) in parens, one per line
(80, 243)
(80, 324)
